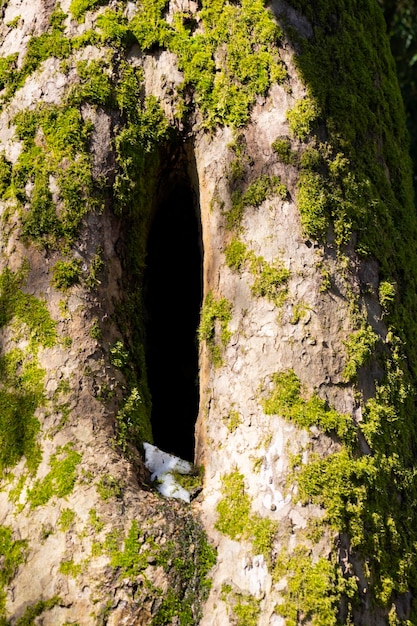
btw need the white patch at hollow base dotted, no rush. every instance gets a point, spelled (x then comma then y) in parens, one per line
(161, 464)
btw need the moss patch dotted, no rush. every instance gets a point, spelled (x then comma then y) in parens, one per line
(66, 519)
(21, 393)
(214, 326)
(60, 480)
(256, 193)
(108, 487)
(66, 274)
(236, 520)
(232, 420)
(70, 568)
(22, 380)
(360, 347)
(313, 589)
(189, 575)
(354, 490)
(25, 309)
(131, 560)
(35, 610)
(269, 279)
(354, 189)
(78, 8)
(187, 567)
(244, 607)
(286, 400)
(12, 554)
(224, 85)
(133, 425)
(55, 147)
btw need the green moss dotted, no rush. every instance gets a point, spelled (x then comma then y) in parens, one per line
(94, 84)
(66, 274)
(133, 422)
(131, 560)
(95, 330)
(350, 79)
(5, 175)
(236, 520)
(262, 188)
(119, 355)
(66, 159)
(329, 192)
(299, 311)
(15, 492)
(355, 492)
(21, 387)
(12, 554)
(325, 274)
(32, 313)
(95, 269)
(247, 610)
(66, 519)
(236, 254)
(234, 508)
(314, 589)
(188, 575)
(96, 523)
(232, 421)
(96, 549)
(14, 22)
(282, 147)
(186, 559)
(108, 487)
(312, 201)
(146, 128)
(78, 8)
(190, 482)
(269, 280)
(214, 326)
(70, 568)
(35, 610)
(387, 292)
(359, 347)
(286, 400)
(114, 28)
(303, 117)
(171, 608)
(51, 43)
(21, 393)
(7, 68)
(256, 193)
(224, 89)
(245, 607)
(60, 480)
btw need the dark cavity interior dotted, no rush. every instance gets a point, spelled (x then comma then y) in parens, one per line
(173, 292)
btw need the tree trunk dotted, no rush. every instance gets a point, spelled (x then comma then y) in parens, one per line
(207, 243)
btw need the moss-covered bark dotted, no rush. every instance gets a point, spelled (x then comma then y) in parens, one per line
(347, 148)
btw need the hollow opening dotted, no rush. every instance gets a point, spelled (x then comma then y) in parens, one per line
(173, 293)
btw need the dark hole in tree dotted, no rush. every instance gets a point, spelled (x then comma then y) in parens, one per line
(173, 292)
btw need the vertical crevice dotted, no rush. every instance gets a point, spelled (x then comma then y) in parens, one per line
(173, 294)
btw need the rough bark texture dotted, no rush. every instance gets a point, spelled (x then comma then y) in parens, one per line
(285, 122)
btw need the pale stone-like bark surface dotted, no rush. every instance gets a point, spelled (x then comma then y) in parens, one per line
(306, 333)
